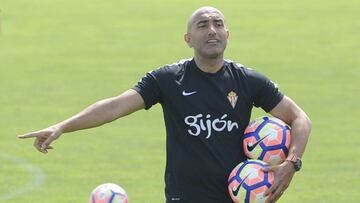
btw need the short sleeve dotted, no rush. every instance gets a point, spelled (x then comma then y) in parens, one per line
(265, 92)
(149, 89)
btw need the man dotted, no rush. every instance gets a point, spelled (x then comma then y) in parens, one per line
(207, 104)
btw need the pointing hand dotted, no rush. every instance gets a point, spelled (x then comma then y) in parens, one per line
(43, 138)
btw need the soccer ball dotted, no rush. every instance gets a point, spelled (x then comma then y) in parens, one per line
(247, 183)
(267, 139)
(108, 193)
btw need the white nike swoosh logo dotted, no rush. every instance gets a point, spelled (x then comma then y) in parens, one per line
(188, 93)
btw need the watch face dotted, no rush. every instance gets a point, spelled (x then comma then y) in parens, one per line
(298, 164)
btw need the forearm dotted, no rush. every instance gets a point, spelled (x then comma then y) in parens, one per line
(300, 132)
(95, 115)
(300, 124)
(102, 112)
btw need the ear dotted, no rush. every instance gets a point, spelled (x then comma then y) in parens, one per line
(187, 39)
(228, 34)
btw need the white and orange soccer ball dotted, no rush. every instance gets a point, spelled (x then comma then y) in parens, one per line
(267, 139)
(247, 183)
(108, 193)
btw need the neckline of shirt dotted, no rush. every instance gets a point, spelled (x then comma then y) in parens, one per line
(193, 64)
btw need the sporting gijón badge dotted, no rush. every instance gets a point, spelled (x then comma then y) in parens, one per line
(232, 97)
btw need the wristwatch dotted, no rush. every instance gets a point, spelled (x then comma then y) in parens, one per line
(295, 160)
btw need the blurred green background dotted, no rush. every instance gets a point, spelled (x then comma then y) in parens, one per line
(57, 57)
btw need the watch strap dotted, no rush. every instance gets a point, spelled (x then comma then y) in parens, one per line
(292, 158)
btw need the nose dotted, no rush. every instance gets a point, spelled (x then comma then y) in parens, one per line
(212, 31)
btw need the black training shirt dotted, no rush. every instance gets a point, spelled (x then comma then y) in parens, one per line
(205, 116)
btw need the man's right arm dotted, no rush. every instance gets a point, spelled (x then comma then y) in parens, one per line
(97, 114)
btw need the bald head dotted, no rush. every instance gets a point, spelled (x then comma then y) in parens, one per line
(207, 33)
(202, 11)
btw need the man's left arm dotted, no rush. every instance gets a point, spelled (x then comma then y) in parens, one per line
(292, 114)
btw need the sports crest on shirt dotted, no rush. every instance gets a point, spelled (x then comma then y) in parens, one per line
(232, 97)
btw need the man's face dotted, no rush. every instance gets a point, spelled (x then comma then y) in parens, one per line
(207, 34)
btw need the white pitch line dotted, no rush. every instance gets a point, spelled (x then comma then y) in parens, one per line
(37, 180)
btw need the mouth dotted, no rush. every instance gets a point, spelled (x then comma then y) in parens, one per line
(213, 41)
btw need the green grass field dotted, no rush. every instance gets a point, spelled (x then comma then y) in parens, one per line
(57, 57)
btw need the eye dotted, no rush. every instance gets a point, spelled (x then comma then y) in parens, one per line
(201, 25)
(219, 24)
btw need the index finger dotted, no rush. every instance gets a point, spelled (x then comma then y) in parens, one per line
(29, 135)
